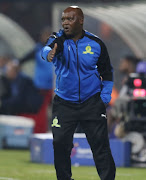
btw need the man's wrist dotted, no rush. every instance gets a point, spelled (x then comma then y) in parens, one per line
(105, 98)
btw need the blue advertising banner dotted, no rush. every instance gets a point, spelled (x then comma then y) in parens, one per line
(41, 148)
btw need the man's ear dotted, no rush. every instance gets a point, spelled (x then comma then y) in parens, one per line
(81, 21)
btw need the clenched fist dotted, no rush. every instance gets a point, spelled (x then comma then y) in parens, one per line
(51, 54)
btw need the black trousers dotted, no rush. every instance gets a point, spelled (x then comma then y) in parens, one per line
(92, 116)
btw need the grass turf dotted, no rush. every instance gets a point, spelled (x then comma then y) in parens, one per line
(16, 165)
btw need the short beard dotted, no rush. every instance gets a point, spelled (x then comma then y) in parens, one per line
(69, 36)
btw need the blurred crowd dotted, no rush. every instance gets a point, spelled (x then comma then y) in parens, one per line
(23, 96)
(131, 68)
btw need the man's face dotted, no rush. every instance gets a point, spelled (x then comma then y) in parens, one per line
(124, 65)
(11, 70)
(71, 22)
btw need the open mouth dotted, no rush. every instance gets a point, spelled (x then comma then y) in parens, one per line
(66, 29)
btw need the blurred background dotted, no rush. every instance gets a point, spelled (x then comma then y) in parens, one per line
(24, 28)
(120, 23)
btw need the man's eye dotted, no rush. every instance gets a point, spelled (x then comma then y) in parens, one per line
(70, 19)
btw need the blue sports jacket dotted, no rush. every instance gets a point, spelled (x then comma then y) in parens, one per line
(82, 68)
(43, 75)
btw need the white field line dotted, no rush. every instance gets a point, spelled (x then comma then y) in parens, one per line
(126, 174)
(43, 171)
(117, 174)
(7, 178)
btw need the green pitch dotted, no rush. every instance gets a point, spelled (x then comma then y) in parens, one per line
(16, 165)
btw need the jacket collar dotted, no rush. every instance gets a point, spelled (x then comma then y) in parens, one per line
(67, 37)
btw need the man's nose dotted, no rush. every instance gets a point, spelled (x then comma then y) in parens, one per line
(65, 22)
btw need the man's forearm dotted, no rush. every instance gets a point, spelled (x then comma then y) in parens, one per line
(106, 91)
(45, 52)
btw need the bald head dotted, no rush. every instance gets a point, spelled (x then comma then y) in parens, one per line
(76, 9)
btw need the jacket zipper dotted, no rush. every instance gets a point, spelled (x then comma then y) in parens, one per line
(78, 70)
(58, 83)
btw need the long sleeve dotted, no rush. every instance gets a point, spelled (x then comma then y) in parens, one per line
(55, 38)
(45, 51)
(106, 72)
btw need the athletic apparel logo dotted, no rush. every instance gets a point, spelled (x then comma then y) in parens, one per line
(88, 50)
(103, 115)
(55, 123)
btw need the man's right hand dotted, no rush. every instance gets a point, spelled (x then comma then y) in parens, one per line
(51, 54)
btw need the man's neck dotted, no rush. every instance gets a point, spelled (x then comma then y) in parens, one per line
(78, 36)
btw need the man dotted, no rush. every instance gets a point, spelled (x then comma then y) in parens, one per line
(43, 74)
(43, 80)
(80, 58)
(127, 65)
(23, 97)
